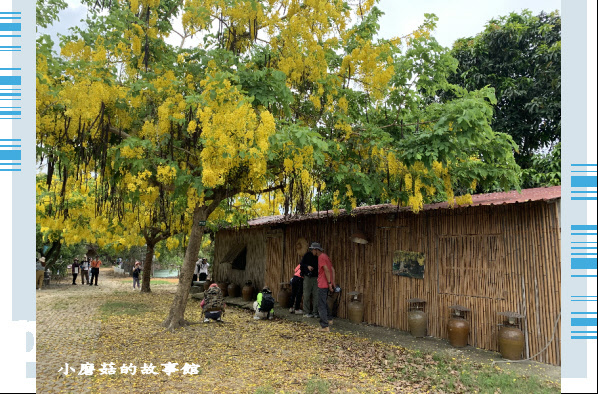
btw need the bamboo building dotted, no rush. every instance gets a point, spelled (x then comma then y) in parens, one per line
(501, 253)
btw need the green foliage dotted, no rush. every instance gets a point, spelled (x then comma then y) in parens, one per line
(47, 11)
(520, 56)
(545, 169)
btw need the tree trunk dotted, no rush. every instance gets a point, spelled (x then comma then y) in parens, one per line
(176, 317)
(147, 266)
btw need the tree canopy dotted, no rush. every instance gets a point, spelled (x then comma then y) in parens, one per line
(520, 56)
(281, 100)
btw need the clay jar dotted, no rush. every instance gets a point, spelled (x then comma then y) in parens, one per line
(458, 331)
(234, 290)
(283, 297)
(511, 342)
(206, 284)
(355, 309)
(224, 288)
(418, 321)
(247, 292)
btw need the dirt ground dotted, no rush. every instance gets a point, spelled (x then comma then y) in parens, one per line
(426, 345)
(70, 329)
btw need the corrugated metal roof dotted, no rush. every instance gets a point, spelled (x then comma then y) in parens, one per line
(512, 197)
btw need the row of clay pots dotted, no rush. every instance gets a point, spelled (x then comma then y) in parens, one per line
(232, 290)
(510, 338)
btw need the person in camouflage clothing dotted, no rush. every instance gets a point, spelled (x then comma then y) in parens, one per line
(213, 304)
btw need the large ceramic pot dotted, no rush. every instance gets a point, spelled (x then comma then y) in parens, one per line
(418, 321)
(511, 342)
(458, 331)
(224, 288)
(234, 290)
(284, 297)
(247, 292)
(355, 311)
(206, 284)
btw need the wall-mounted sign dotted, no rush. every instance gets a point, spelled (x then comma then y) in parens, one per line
(410, 264)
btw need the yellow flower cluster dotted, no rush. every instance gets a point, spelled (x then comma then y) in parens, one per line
(368, 65)
(465, 199)
(234, 134)
(131, 153)
(166, 174)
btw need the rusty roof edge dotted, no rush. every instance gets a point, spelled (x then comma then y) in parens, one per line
(527, 195)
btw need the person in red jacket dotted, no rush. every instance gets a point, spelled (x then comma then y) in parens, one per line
(296, 291)
(326, 283)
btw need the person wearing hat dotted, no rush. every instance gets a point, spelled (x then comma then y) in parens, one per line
(75, 269)
(136, 271)
(84, 270)
(39, 272)
(326, 283)
(309, 272)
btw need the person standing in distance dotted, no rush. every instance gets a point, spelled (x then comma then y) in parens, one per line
(95, 270)
(203, 269)
(84, 271)
(39, 273)
(75, 270)
(325, 284)
(309, 271)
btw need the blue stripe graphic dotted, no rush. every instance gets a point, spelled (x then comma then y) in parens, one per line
(10, 154)
(10, 80)
(583, 322)
(10, 112)
(10, 27)
(583, 181)
(583, 337)
(584, 227)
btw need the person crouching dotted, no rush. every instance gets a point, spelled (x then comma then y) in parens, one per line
(213, 304)
(264, 306)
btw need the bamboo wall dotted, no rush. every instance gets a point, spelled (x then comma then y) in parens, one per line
(256, 256)
(490, 259)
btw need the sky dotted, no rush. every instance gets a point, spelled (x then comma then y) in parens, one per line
(457, 18)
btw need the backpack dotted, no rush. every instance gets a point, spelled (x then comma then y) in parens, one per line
(214, 299)
(267, 302)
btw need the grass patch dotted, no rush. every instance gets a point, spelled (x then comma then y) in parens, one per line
(152, 282)
(265, 390)
(61, 305)
(111, 308)
(487, 381)
(317, 386)
(456, 375)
